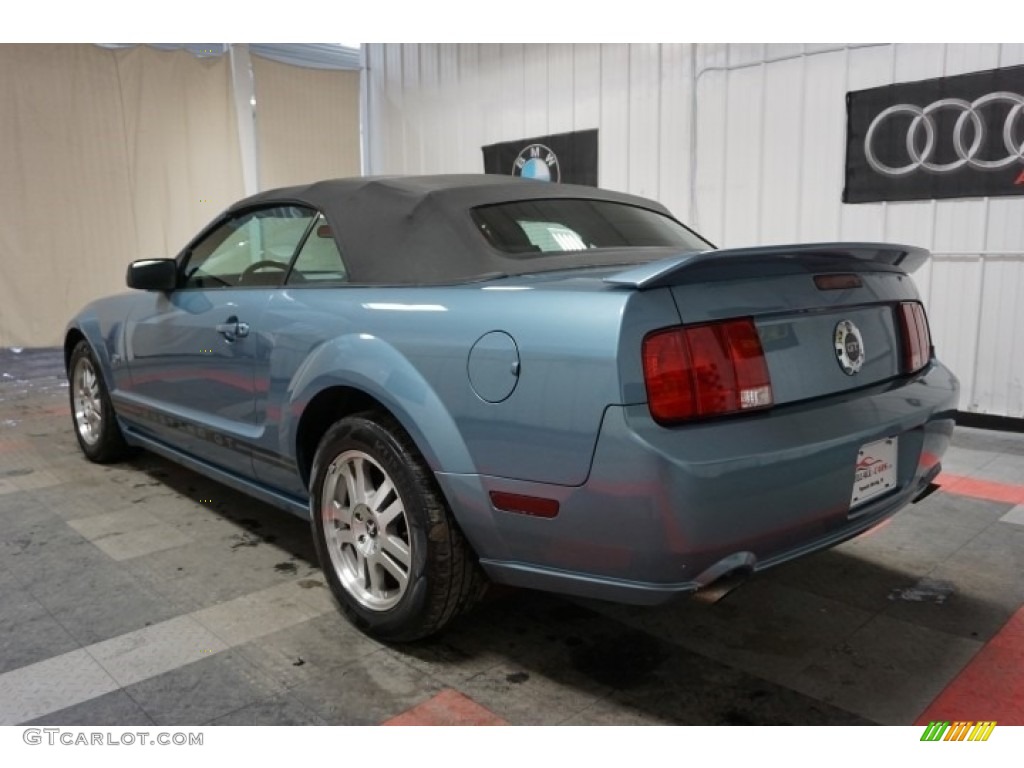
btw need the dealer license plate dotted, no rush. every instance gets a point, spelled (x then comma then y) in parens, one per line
(876, 470)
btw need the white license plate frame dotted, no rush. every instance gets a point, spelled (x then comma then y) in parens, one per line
(875, 472)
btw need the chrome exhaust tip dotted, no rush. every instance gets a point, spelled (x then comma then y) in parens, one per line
(722, 586)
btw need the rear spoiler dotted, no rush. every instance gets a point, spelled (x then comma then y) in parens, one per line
(773, 259)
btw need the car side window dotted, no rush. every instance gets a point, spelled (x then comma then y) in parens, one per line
(319, 261)
(254, 248)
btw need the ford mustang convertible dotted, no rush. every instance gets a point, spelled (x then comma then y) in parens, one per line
(463, 379)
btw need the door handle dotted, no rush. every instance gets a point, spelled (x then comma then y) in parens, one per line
(232, 329)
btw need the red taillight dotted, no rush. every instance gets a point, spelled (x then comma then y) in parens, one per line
(705, 370)
(917, 342)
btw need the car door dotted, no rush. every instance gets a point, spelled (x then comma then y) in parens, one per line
(191, 351)
(310, 308)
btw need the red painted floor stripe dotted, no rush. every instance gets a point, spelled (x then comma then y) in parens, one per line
(447, 708)
(981, 489)
(991, 686)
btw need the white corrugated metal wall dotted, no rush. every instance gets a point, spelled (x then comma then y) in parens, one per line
(744, 142)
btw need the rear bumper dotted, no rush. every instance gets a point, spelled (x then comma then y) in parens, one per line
(668, 510)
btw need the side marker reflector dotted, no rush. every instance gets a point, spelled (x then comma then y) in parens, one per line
(534, 506)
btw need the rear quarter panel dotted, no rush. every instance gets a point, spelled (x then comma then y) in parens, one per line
(409, 348)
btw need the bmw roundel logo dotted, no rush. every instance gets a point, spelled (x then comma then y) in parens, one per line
(537, 162)
(849, 345)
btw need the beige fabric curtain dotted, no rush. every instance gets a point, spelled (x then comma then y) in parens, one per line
(307, 123)
(105, 156)
(182, 144)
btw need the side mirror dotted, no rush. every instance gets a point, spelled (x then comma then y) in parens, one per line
(153, 274)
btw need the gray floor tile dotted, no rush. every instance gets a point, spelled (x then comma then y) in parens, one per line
(21, 510)
(998, 551)
(366, 691)
(848, 578)
(8, 582)
(52, 684)
(1015, 516)
(232, 582)
(156, 649)
(764, 627)
(282, 709)
(301, 653)
(688, 689)
(142, 542)
(112, 523)
(976, 608)
(989, 440)
(115, 708)
(955, 511)
(864, 572)
(1004, 468)
(611, 711)
(90, 495)
(35, 479)
(264, 612)
(965, 461)
(525, 697)
(49, 550)
(104, 601)
(888, 671)
(229, 566)
(466, 650)
(916, 544)
(203, 691)
(28, 633)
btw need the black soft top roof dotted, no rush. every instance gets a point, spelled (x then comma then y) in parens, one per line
(417, 230)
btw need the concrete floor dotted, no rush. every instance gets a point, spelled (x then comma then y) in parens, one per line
(143, 594)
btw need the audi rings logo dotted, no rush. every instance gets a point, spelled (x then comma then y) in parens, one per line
(969, 133)
(944, 138)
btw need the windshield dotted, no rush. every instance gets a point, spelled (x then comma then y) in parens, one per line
(535, 227)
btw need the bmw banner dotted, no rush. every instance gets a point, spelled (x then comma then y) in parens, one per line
(959, 136)
(569, 158)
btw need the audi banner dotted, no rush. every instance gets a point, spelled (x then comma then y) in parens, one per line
(570, 158)
(957, 136)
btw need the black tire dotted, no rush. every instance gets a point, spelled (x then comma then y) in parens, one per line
(444, 578)
(105, 444)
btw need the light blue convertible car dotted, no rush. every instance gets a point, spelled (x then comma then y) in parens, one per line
(470, 378)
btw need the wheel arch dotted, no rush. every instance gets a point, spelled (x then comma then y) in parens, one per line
(354, 374)
(71, 339)
(100, 332)
(327, 407)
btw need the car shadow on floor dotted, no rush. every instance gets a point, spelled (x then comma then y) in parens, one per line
(253, 523)
(834, 638)
(771, 652)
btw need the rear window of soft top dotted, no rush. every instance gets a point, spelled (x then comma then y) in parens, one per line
(563, 225)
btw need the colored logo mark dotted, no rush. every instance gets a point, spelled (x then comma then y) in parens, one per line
(958, 731)
(537, 162)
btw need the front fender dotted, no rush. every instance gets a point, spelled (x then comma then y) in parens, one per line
(370, 364)
(102, 324)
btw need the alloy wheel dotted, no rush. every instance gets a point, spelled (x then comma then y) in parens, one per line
(87, 402)
(366, 530)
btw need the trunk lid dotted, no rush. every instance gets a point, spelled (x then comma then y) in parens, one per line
(799, 319)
